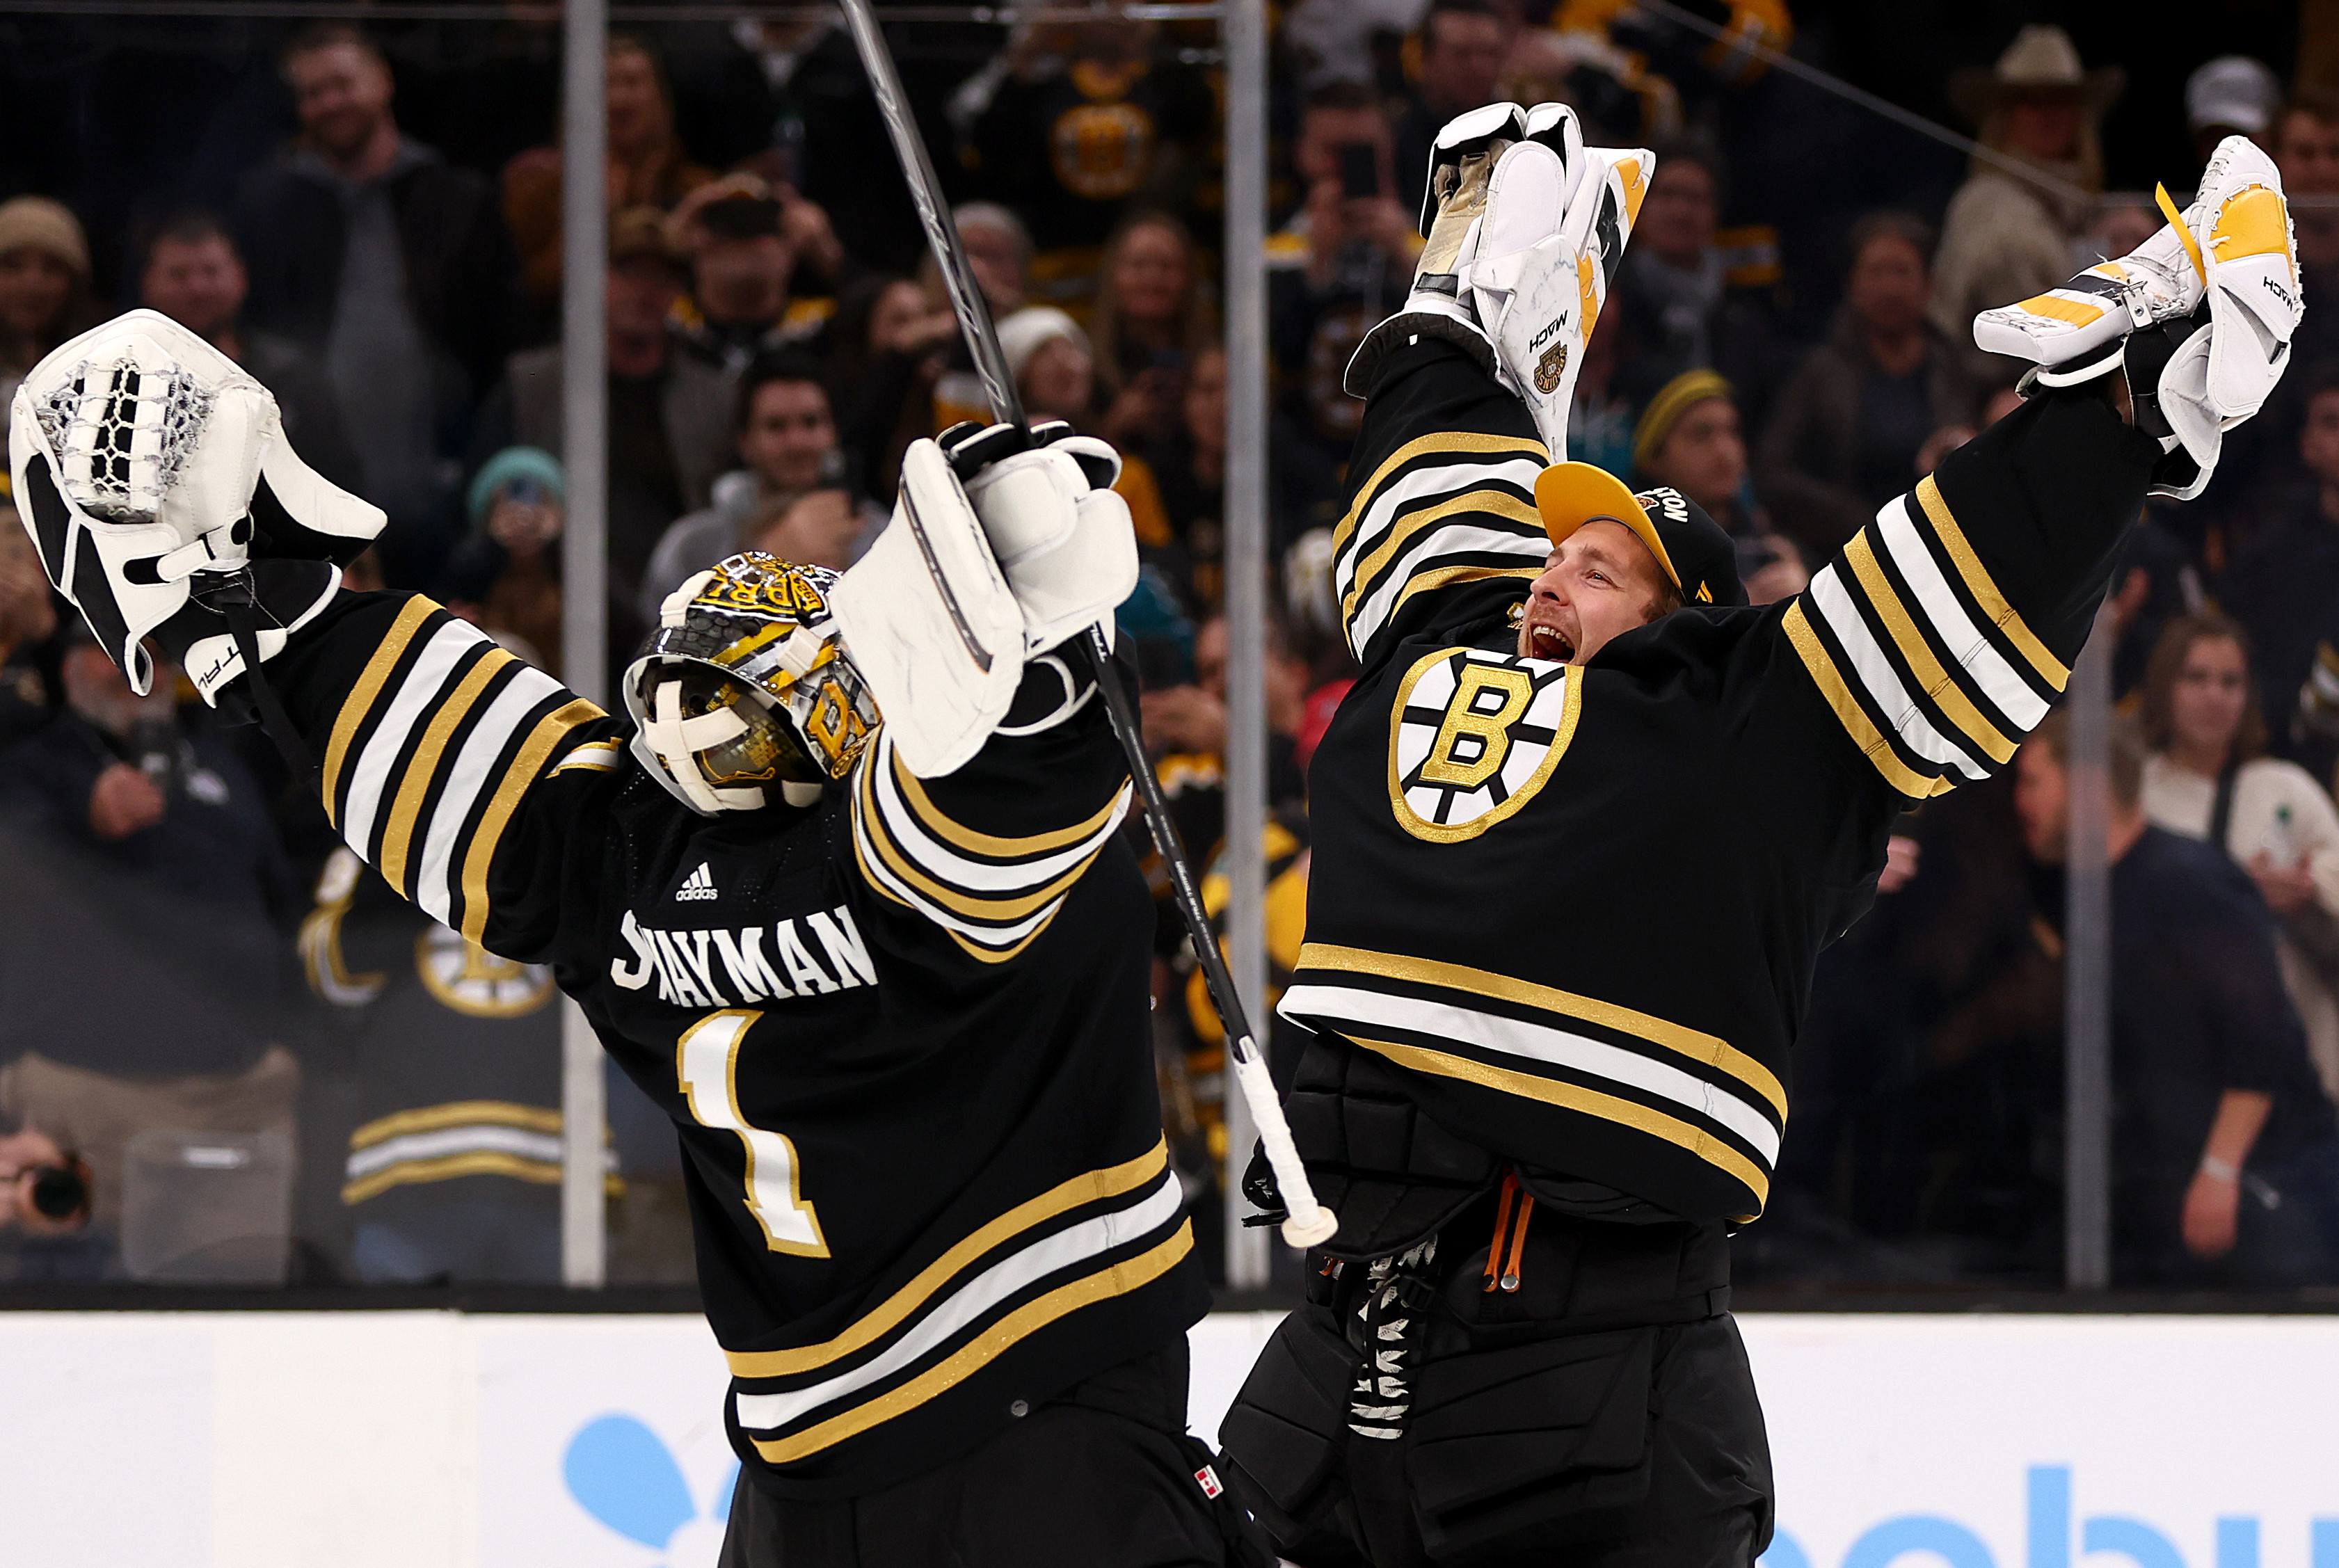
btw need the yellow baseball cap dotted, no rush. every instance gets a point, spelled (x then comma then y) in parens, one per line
(1699, 557)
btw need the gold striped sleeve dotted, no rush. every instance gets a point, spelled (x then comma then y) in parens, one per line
(480, 853)
(2001, 615)
(1934, 680)
(1864, 730)
(360, 702)
(1494, 503)
(1426, 446)
(406, 807)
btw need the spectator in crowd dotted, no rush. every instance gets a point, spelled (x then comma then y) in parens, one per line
(1055, 370)
(1083, 122)
(140, 845)
(29, 688)
(2284, 588)
(2208, 777)
(890, 346)
(505, 575)
(2231, 95)
(1357, 41)
(1153, 315)
(2306, 150)
(389, 263)
(648, 167)
(1681, 312)
(785, 438)
(998, 248)
(1772, 568)
(1463, 44)
(1342, 263)
(43, 1189)
(745, 242)
(1190, 468)
(1845, 436)
(1689, 437)
(2225, 1149)
(821, 528)
(2004, 237)
(44, 285)
(195, 276)
(671, 430)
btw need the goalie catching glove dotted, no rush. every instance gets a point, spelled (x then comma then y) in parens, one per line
(154, 476)
(2199, 317)
(1525, 228)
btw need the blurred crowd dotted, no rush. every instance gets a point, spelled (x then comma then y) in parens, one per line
(215, 1025)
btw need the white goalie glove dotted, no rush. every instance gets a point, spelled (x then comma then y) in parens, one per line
(2200, 316)
(1059, 533)
(154, 478)
(1525, 229)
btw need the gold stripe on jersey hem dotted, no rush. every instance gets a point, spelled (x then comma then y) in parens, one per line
(398, 836)
(457, 1113)
(1373, 566)
(1863, 731)
(549, 732)
(991, 845)
(1089, 1187)
(1722, 1156)
(971, 906)
(2001, 615)
(1932, 679)
(360, 700)
(1119, 1280)
(479, 1162)
(1680, 1039)
(1422, 447)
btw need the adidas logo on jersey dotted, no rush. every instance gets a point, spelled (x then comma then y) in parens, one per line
(699, 884)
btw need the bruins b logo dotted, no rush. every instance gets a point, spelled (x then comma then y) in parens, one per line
(1474, 735)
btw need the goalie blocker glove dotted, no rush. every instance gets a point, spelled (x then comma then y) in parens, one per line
(1526, 229)
(1060, 532)
(2200, 316)
(155, 479)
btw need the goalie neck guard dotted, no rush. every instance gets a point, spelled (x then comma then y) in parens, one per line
(745, 686)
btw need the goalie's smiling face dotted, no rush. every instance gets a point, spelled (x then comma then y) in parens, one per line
(1598, 584)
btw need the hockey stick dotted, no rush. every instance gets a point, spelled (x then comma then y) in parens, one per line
(1308, 1223)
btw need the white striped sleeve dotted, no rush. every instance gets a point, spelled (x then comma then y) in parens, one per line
(431, 752)
(1932, 674)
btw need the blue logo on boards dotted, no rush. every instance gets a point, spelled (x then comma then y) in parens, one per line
(623, 1474)
(2049, 1538)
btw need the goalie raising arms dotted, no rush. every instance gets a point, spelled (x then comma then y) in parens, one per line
(890, 982)
(1583, 825)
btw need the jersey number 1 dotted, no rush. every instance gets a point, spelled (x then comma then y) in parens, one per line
(707, 1061)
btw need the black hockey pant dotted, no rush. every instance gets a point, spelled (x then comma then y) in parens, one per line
(1102, 1476)
(1410, 1416)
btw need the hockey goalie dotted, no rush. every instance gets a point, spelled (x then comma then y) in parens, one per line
(889, 980)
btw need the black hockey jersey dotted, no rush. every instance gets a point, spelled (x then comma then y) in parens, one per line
(903, 1033)
(1574, 910)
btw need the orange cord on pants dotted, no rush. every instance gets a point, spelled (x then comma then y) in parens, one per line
(1500, 1271)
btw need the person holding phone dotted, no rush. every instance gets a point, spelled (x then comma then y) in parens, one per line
(1344, 260)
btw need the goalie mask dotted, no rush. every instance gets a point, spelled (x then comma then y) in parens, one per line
(744, 688)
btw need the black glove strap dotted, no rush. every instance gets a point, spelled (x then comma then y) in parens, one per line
(235, 605)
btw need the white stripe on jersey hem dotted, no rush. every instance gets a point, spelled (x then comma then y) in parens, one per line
(483, 757)
(975, 1300)
(482, 1138)
(1874, 667)
(1450, 538)
(1000, 879)
(1968, 648)
(1424, 485)
(997, 937)
(1536, 1042)
(417, 693)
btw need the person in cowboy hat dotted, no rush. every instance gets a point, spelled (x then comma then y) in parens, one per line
(2006, 237)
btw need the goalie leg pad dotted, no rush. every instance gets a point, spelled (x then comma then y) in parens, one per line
(931, 622)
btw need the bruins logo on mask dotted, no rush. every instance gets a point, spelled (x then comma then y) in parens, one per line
(1550, 368)
(1474, 735)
